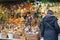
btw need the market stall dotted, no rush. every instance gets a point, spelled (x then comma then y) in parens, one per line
(21, 21)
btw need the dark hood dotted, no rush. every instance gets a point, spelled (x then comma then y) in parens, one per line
(50, 18)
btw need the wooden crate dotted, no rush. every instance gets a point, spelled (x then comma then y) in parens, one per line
(32, 37)
(16, 36)
(4, 35)
(19, 37)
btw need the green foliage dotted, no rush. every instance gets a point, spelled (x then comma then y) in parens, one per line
(50, 0)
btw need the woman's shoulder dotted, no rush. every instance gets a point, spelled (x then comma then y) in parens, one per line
(50, 18)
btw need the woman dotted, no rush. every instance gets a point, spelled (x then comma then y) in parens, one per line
(50, 28)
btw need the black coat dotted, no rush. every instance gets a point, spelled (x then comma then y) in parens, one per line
(50, 28)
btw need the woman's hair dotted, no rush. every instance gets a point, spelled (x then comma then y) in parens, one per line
(50, 12)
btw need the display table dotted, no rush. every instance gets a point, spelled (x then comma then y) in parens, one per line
(21, 38)
(32, 37)
(11, 39)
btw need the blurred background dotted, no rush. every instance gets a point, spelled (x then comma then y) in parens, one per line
(22, 18)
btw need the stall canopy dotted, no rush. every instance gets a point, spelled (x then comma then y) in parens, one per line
(21, 1)
(11, 1)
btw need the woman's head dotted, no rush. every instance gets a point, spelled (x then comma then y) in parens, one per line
(50, 12)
